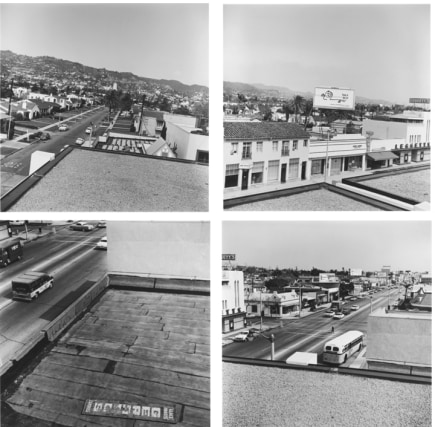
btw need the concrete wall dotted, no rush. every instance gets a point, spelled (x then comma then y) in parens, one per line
(187, 144)
(174, 249)
(181, 119)
(399, 337)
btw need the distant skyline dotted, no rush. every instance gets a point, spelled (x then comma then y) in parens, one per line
(403, 245)
(160, 41)
(380, 51)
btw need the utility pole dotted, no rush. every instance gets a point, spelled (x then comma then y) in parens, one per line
(141, 114)
(9, 109)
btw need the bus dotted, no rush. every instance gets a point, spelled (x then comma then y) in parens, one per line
(28, 286)
(339, 349)
(10, 250)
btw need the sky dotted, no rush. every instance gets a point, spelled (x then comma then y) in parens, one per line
(370, 245)
(379, 51)
(162, 41)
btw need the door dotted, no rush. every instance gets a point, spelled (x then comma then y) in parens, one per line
(304, 171)
(245, 177)
(284, 172)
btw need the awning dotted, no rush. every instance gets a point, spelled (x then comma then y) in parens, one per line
(382, 155)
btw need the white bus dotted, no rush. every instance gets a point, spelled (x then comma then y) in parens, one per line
(339, 349)
(30, 285)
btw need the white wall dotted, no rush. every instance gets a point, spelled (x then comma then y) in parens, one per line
(174, 249)
(229, 279)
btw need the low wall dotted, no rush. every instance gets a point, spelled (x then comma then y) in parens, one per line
(55, 328)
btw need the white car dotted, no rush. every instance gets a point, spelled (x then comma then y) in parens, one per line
(243, 336)
(353, 298)
(63, 128)
(102, 244)
(80, 141)
(338, 316)
(329, 313)
(354, 307)
(88, 130)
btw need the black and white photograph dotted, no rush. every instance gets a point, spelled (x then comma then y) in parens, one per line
(105, 323)
(104, 107)
(326, 107)
(326, 323)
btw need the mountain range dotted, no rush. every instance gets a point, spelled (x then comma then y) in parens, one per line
(16, 64)
(258, 89)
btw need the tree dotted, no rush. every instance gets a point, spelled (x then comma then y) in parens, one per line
(267, 115)
(297, 104)
(276, 284)
(111, 100)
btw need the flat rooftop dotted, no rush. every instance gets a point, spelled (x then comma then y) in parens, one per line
(91, 181)
(132, 346)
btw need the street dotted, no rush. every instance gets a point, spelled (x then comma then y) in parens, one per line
(309, 333)
(18, 163)
(71, 257)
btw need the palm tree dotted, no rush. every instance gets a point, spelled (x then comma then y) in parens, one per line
(298, 103)
(111, 100)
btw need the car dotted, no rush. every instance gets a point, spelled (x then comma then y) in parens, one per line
(63, 128)
(101, 224)
(338, 316)
(329, 313)
(88, 130)
(81, 226)
(345, 311)
(353, 298)
(242, 337)
(354, 307)
(45, 136)
(80, 141)
(64, 148)
(102, 244)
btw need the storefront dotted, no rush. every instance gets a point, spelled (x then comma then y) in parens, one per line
(380, 159)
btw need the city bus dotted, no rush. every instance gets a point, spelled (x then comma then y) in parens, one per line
(339, 349)
(28, 286)
(10, 250)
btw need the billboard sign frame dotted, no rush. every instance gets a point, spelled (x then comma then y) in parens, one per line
(334, 98)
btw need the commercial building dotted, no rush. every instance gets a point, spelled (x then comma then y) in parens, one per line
(233, 303)
(260, 154)
(280, 305)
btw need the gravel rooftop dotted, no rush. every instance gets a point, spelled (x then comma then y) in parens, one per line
(93, 181)
(316, 200)
(259, 396)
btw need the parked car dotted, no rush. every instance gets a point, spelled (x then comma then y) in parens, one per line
(338, 316)
(102, 244)
(353, 298)
(80, 141)
(81, 226)
(101, 224)
(45, 136)
(345, 311)
(329, 313)
(63, 127)
(243, 336)
(88, 130)
(354, 307)
(64, 148)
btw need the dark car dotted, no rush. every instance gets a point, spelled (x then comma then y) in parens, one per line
(45, 136)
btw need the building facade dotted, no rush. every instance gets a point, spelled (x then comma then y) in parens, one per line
(257, 154)
(233, 302)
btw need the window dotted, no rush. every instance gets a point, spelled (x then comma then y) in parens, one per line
(273, 170)
(259, 146)
(285, 148)
(305, 142)
(293, 170)
(295, 145)
(246, 154)
(234, 147)
(274, 145)
(257, 173)
(232, 175)
(254, 308)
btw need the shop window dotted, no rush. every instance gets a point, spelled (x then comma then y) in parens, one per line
(293, 171)
(254, 308)
(257, 173)
(232, 175)
(273, 170)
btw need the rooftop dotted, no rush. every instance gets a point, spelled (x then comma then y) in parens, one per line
(263, 130)
(135, 346)
(94, 181)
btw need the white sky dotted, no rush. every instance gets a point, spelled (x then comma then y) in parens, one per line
(380, 51)
(404, 245)
(163, 41)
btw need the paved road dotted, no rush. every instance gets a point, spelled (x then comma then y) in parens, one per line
(310, 333)
(71, 257)
(18, 163)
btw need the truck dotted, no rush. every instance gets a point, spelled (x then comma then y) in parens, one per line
(10, 250)
(337, 306)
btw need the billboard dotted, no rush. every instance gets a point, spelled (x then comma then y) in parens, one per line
(228, 257)
(334, 98)
(419, 100)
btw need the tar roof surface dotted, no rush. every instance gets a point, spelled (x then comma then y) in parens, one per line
(132, 346)
(263, 130)
(92, 181)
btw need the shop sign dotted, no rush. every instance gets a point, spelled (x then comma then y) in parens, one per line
(137, 411)
(334, 98)
(228, 257)
(358, 146)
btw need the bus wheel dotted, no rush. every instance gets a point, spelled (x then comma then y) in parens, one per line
(345, 358)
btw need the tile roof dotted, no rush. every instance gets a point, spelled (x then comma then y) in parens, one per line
(263, 130)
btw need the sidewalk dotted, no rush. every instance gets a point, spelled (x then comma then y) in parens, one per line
(33, 232)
